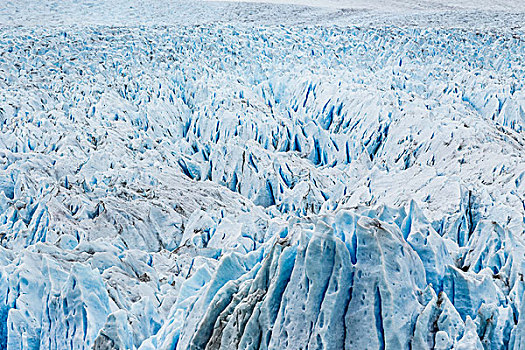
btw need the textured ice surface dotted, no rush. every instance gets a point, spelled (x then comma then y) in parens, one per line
(223, 186)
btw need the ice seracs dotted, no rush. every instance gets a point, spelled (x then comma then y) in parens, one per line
(219, 187)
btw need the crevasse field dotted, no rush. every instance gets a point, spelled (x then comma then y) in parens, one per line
(206, 175)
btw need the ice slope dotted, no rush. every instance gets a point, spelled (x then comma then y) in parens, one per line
(277, 187)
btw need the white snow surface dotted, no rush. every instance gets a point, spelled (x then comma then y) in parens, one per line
(495, 14)
(222, 175)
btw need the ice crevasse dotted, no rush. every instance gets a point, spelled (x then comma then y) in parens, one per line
(220, 187)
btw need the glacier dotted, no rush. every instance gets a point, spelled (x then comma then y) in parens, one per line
(205, 184)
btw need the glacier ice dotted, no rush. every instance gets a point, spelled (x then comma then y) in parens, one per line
(219, 186)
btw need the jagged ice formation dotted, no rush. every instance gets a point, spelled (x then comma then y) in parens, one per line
(229, 187)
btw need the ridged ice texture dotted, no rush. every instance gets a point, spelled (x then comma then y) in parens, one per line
(212, 187)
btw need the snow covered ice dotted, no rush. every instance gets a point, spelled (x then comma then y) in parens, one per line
(207, 175)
